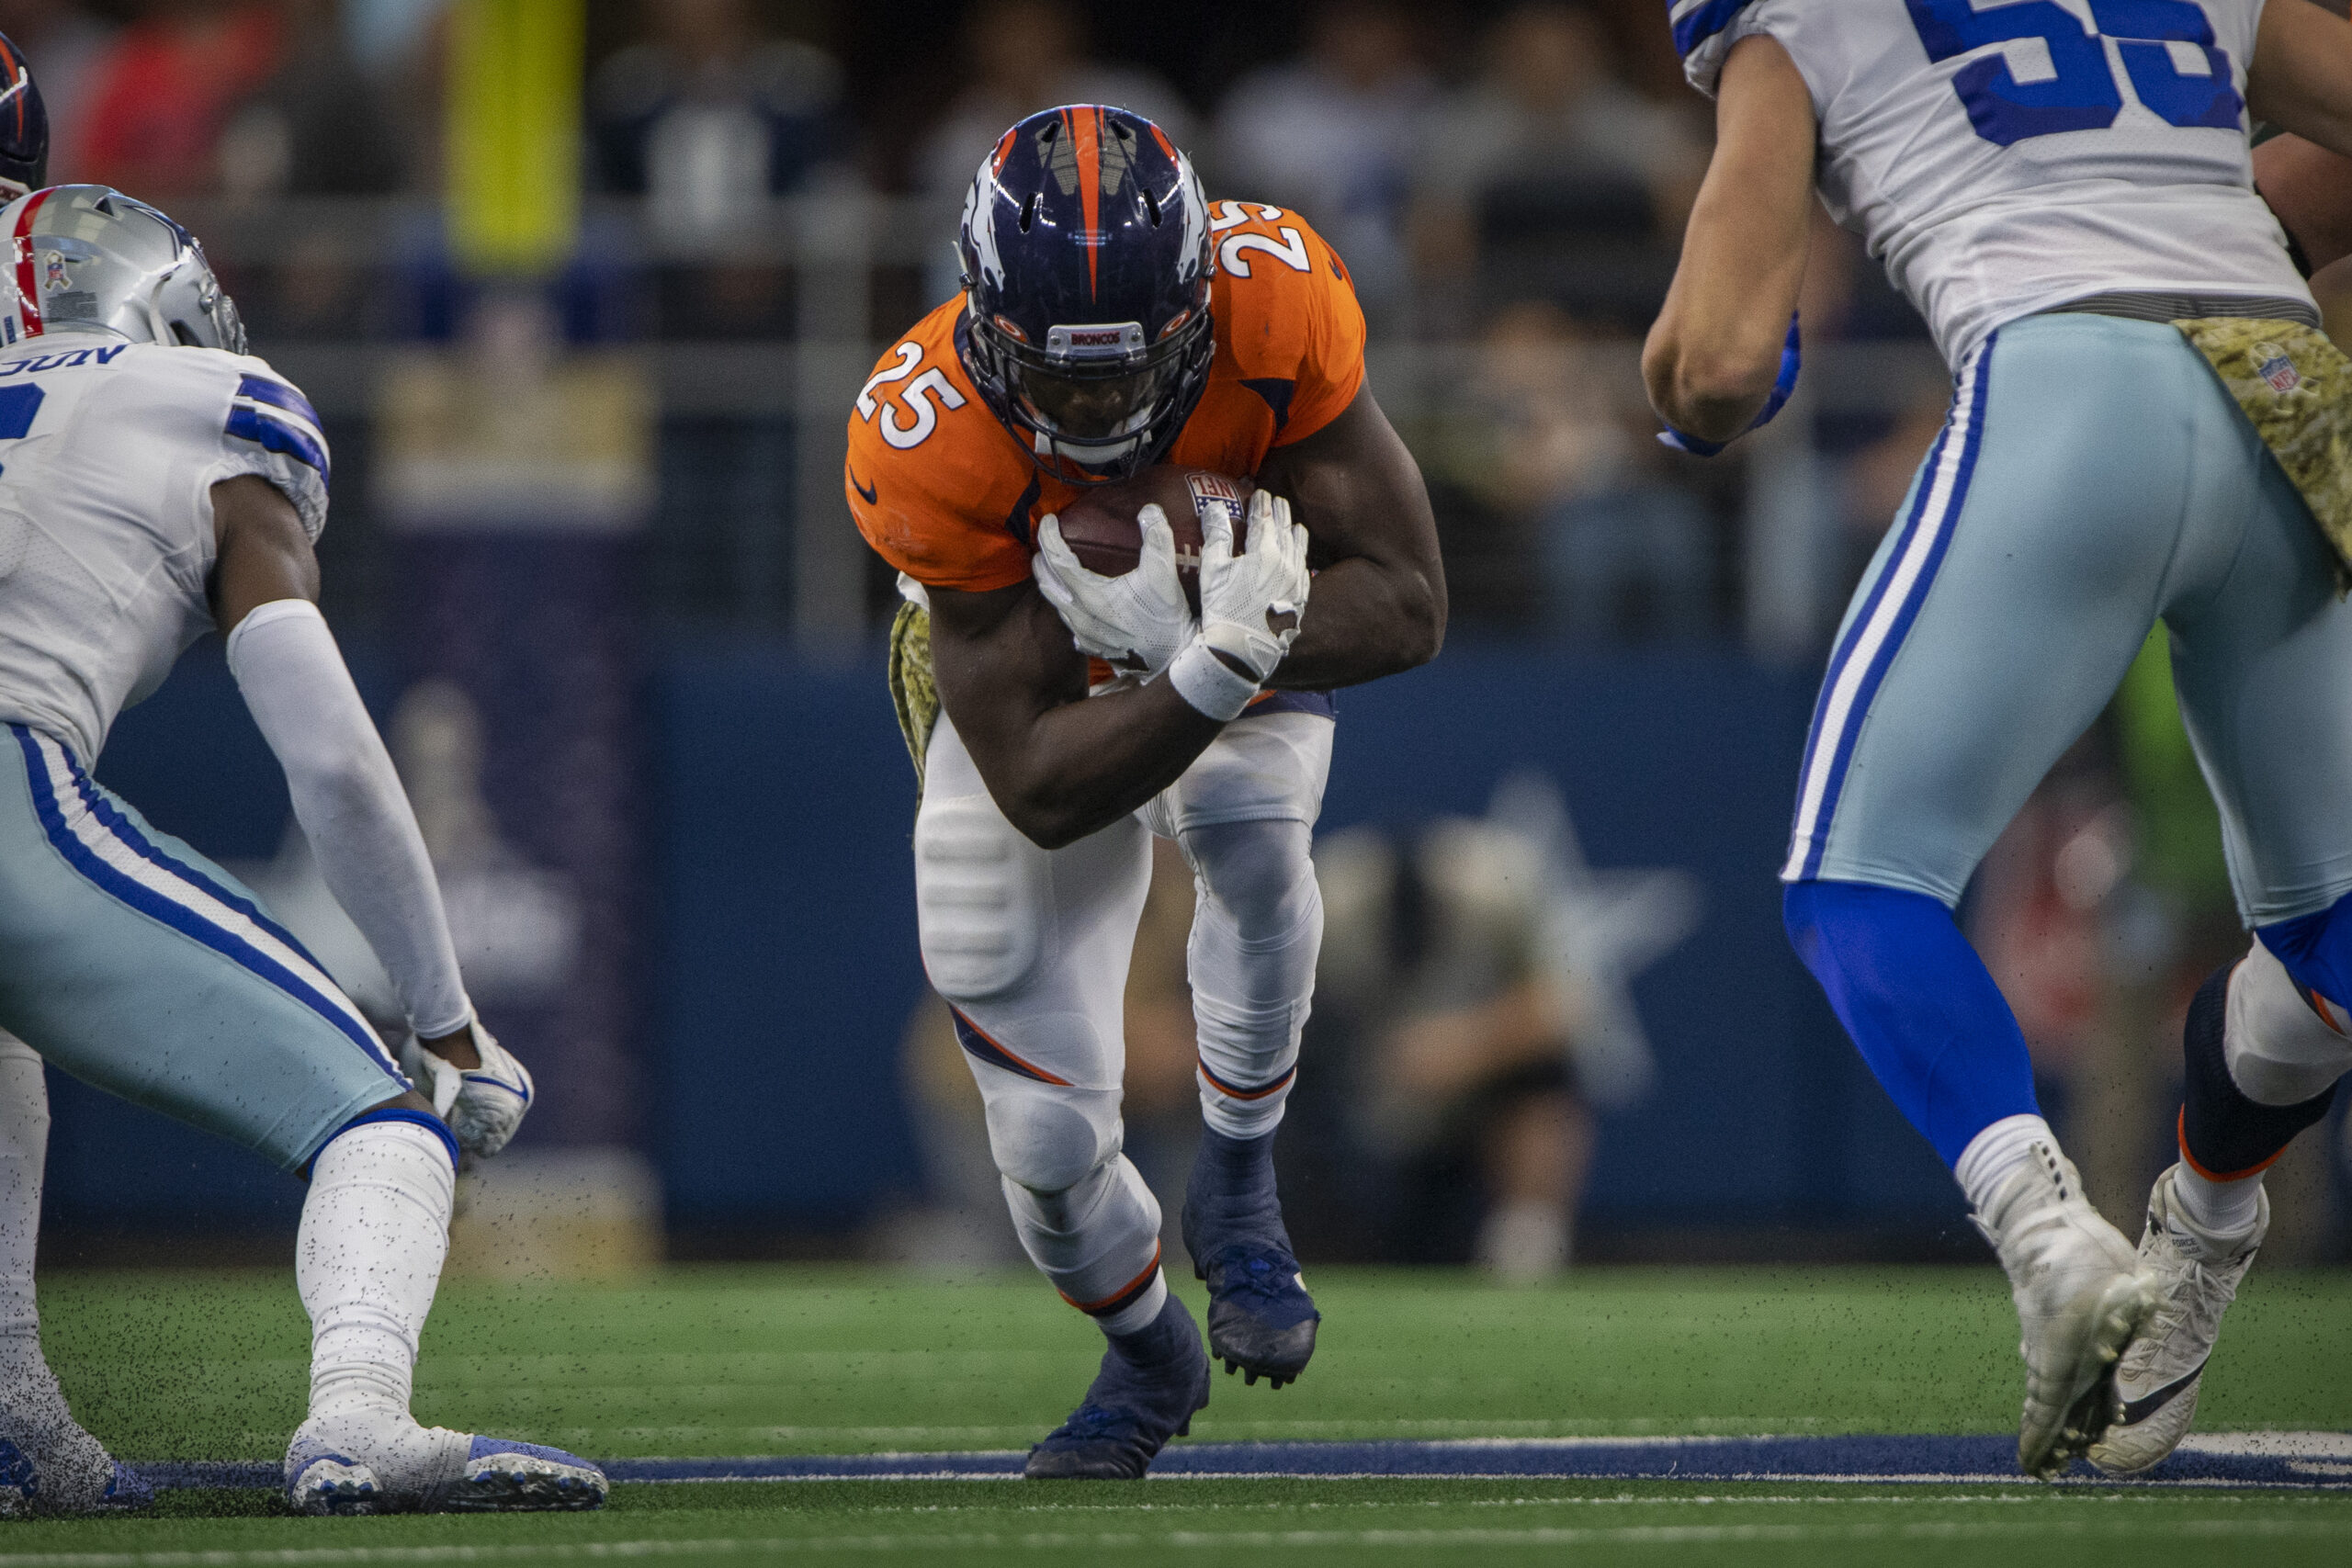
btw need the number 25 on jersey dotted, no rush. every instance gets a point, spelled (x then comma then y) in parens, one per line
(2166, 48)
(915, 395)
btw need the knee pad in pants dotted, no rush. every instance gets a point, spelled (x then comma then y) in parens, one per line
(1256, 929)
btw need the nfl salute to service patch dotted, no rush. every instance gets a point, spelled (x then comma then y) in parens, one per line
(2296, 386)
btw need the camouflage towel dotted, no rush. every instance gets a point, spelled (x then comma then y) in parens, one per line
(911, 691)
(2296, 386)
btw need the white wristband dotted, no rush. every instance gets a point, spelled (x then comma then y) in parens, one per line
(1209, 684)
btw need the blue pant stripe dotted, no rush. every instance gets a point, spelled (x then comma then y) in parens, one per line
(1864, 639)
(178, 915)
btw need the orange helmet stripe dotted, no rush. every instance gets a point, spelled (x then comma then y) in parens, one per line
(1088, 143)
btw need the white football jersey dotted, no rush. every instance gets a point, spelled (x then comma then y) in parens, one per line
(109, 453)
(2002, 159)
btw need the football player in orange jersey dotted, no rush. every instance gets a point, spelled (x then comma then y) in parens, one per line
(1111, 319)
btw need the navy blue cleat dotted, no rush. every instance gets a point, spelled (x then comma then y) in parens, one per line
(1261, 1321)
(1151, 1383)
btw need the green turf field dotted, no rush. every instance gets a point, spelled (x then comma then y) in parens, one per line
(712, 1361)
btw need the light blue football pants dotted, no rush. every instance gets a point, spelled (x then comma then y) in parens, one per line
(2093, 478)
(136, 964)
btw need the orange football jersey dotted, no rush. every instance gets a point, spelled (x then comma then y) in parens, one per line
(951, 497)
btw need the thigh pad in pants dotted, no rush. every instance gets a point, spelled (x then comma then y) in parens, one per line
(135, 963)
(1263, 768)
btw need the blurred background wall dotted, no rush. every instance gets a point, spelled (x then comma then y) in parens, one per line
(583, 292)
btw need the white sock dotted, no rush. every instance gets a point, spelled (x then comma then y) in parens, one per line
(73, 1467)
(375, 1230)
(1995, 1152)
(1143, 1312)
(2220, 1208)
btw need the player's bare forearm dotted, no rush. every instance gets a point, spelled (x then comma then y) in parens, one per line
(1378, 605)
(2301, 76)
(1059, 765)
(1714, 351)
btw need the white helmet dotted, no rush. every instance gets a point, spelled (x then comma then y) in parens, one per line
(85, 258)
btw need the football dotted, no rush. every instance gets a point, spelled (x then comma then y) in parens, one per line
(1099, 526)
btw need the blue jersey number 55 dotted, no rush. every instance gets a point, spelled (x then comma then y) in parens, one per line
(2083, 93)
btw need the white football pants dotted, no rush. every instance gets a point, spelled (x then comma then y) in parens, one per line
(1029, 948)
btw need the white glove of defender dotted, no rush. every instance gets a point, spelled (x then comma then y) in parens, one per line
(1251, 606)
(1136, 621)
(483, 1105)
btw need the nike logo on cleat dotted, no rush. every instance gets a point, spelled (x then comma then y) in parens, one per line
(2138, 1410)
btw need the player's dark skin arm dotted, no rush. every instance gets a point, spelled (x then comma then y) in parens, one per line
(264, 556)
(1059, 764)
(1378, 603)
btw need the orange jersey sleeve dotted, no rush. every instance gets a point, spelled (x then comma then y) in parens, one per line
(932, 481)
(1290, 323)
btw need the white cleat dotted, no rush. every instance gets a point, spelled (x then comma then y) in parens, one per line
(333, 1484)
(2080, 1296)
(386, 1467)
(2197, 1275)
(506, 1477)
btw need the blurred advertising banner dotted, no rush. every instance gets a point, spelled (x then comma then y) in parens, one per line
(506, 436)
(515, 476)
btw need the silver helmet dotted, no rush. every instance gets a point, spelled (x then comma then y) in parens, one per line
(85, 258)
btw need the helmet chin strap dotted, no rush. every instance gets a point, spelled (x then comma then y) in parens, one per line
(1086, 458)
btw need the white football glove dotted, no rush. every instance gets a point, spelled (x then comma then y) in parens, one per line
(483, 1105)
(1136, 621)
(1251, 605)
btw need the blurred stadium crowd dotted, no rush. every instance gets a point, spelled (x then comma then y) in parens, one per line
(768, 189)
(1507, 182)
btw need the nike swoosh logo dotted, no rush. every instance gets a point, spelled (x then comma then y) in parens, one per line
(866, 491)
(2139, 1410)
(24, 80)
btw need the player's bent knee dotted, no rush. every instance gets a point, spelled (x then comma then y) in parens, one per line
(1048, 1139)
(977, 904)
(1262, 871)
(2282, 1041)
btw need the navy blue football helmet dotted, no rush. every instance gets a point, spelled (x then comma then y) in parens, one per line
(1086, 262)
(24, 125)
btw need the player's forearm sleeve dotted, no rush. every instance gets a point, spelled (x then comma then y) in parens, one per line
(349, 801)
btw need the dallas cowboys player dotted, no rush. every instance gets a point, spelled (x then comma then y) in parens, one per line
(2062, 187)
(155, 482)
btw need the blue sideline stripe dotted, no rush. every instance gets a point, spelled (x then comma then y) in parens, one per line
(1703, 22)
(180, 918)
(1866, 1459)
(249, 423)
(268, 390)
(1971, 435)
